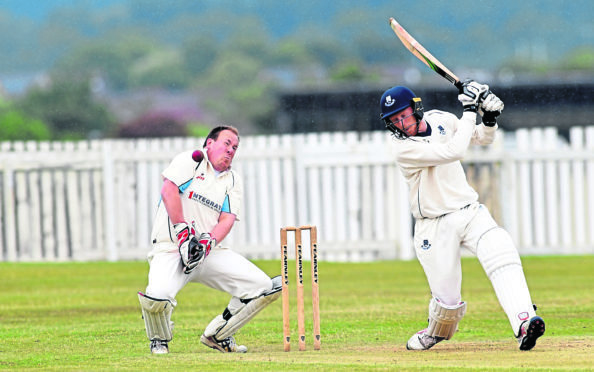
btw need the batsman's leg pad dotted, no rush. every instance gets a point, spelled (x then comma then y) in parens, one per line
(156, 313)
(444, 319)
(226, 324)
(500, 259)
(496, 250)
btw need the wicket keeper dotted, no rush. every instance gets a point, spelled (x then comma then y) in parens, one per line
(200, 203)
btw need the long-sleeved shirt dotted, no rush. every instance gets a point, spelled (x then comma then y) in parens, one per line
(430, 163)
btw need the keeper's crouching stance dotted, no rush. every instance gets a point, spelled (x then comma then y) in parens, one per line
(200, 203)
(448, 215)
(219, 333)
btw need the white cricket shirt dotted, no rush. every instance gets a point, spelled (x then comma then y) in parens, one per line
(431, 164)
(204, 195)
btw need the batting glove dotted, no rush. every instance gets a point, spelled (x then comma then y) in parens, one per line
(490, 108)
(490, 118)
(491, 102)
(470, 93)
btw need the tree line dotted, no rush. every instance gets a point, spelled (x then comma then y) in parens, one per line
(235, 61)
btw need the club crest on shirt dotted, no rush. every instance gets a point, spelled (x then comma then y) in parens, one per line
(441, 130)
(426, 245)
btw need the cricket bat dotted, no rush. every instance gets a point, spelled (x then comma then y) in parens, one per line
(423, 54)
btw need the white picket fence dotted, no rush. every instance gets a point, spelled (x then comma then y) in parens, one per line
(95, 200)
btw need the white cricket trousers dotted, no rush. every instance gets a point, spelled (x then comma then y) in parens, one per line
(223, 269)
(438, 245)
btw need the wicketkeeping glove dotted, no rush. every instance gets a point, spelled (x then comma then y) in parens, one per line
(190, 250)
(470, 93)
(206, 243)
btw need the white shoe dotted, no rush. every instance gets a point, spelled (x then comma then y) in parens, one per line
(422, 341)
(530, 330)
(227, 345)
(159, 347)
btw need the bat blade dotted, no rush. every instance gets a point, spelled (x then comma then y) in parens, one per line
(423, 54)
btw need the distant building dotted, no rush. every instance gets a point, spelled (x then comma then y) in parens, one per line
(561, 105)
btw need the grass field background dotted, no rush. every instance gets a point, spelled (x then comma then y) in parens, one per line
(86, 316)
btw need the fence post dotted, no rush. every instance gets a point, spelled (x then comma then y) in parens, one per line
(576, 135)
(407, 249)
(538, 191)
(9, 215)
(551, 176)
(508, 196)
(142, 192)
(525, 189)
(108, 202)
(590, 181)
(300, 177)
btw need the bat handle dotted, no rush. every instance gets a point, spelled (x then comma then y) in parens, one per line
(458, 84)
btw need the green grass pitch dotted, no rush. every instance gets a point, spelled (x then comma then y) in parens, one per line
(86, 316)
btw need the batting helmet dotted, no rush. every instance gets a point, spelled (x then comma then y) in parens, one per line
(397, 99)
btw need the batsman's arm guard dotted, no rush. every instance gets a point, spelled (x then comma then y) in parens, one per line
(157, 317)
(444, 319)
(226, 324)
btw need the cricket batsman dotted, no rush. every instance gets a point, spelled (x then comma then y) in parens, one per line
(448, 215)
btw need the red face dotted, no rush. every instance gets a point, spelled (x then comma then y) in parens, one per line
(407, 122)
(221, 152)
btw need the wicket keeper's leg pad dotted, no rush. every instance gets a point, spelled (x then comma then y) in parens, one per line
(156, 313)
(226, 324)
